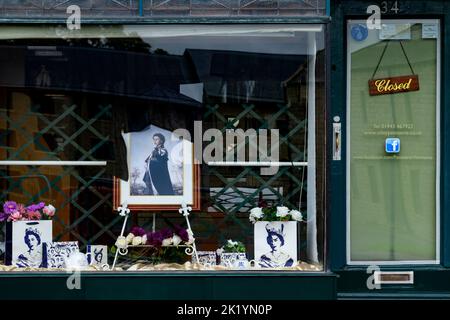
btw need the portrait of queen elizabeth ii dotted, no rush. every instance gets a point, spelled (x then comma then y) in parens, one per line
(24, 242)
(275, 244)
(156, 159)
(162, 173)
(32, 256)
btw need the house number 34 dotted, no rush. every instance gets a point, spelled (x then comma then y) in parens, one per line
(375, 11)
(389, 7)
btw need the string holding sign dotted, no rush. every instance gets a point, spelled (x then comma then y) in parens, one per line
(393, 85)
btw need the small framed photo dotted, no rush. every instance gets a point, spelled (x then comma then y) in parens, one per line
(97, 254)
(56, 253)
(162, 172)
(206, 258)
(230, 259)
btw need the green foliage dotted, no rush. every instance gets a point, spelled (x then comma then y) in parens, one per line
(234, 247)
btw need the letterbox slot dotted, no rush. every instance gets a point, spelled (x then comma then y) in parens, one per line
(394, 277)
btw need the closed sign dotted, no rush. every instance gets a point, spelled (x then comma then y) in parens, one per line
(393, 85)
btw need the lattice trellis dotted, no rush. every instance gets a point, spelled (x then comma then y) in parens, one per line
(82, 195)
(229, 187)
(248, 110)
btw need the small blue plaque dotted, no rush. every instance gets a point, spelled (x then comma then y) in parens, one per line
(392, 145)
(359, 32)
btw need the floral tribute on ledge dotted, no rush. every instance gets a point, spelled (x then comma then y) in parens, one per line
(13, 211)
(156, 247)
(163, 238)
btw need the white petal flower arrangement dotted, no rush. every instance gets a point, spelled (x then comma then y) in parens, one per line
(170, 245)
(274, 214)
(164, 238)
(121, 242)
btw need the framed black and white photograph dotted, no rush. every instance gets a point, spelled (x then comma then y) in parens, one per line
(162, 173)
(24, 242)
(275, 244)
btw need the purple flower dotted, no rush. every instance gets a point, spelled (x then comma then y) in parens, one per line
(148, 234)
(3, 216)
(182, 233)
(36, 207)
(10, 207)
(166, 233)
(155, 239)
(137, 231)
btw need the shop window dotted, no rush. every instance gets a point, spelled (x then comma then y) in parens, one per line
(93, 119)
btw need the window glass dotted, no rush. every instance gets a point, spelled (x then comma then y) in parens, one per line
(393, 146)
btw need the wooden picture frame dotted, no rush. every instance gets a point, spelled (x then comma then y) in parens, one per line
(131, 191)
(149, 207)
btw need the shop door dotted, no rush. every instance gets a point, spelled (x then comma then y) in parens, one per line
(393, 80)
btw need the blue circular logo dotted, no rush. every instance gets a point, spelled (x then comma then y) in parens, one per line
(359, 32)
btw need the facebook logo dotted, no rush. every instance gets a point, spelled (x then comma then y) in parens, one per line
(392, 145)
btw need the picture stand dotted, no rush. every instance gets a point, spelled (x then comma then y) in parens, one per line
(123, 250)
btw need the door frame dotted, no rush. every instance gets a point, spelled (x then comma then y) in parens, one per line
(342, 11)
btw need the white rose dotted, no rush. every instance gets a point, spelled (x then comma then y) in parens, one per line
(282, 212)
(167, 242)
(130, 238)
(176, 240)
(232, 243)
(296, 215)
(144, 239)
(257, 212)
(137, 241)
(121, 242)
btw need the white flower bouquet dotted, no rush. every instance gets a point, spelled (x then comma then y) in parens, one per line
(274, 214)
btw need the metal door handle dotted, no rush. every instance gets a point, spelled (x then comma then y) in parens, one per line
(337, 141)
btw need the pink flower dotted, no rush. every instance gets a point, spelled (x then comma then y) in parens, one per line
(49, 210)
(15, 216)
(21, 208)
(34, 215)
